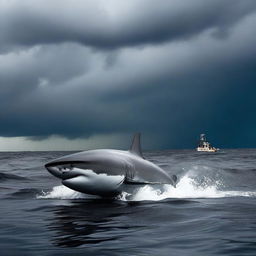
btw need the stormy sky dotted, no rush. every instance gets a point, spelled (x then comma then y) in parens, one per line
(88, 74)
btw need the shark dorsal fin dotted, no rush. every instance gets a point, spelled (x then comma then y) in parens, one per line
(135, 147)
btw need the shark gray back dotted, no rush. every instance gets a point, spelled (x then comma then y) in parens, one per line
(108, 172)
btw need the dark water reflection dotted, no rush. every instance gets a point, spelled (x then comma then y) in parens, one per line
(91, 222)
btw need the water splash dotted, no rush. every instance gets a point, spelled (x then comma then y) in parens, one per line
(189, 186)
(61, 192)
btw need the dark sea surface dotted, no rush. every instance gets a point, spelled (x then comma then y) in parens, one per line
(212, 211)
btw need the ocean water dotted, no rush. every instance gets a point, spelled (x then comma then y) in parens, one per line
(212, 211)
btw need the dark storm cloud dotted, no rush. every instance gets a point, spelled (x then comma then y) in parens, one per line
(111, 24)
(55, 80)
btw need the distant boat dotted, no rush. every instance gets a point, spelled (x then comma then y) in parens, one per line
(205, 146)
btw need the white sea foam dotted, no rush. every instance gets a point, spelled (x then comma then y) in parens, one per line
(187, 187)
(61, 192)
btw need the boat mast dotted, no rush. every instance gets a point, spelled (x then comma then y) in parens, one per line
(202, 140)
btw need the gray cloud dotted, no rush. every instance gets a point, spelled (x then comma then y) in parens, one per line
(71, 73)
(112, 24)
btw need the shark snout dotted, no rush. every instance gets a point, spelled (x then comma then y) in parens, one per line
(61, 171)
(54, 170)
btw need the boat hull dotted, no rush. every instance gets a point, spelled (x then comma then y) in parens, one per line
(207, 149)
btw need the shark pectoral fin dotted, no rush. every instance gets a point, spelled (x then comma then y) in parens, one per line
(136, 147)
(133, 182)
(139, 182)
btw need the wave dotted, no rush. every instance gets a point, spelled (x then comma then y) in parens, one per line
(8, 176)
(187, 187)
(24, 193)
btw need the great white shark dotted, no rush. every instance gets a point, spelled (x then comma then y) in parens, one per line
(108, 172)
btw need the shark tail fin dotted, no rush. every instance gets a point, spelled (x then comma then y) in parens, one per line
(136, 147)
